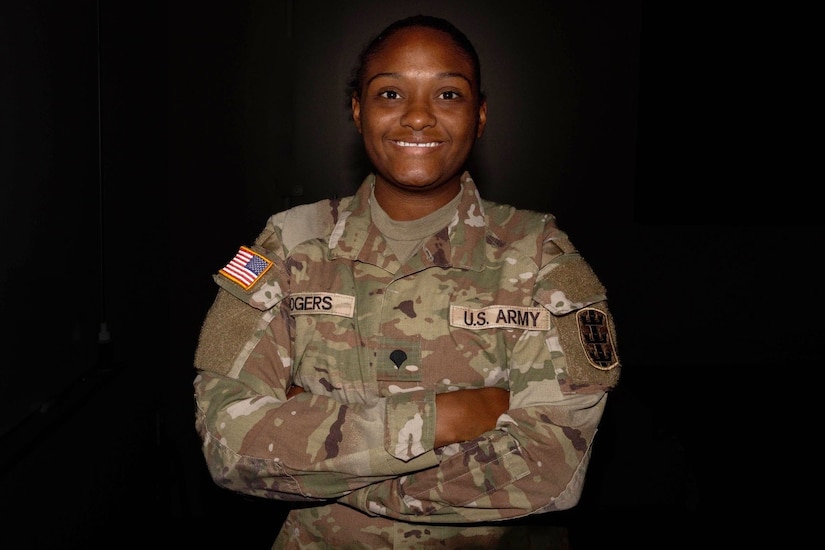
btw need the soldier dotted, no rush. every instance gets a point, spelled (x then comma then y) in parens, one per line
(418, 367)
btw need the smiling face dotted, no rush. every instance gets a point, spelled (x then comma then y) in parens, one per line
(419, 112)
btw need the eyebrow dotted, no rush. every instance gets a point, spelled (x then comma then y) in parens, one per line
(439, 75)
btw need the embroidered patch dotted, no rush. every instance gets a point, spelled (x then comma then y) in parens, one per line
(529, 318)
(323, 303)
(596, 339)
(246, 268)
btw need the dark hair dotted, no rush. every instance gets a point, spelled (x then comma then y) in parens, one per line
(375, 45)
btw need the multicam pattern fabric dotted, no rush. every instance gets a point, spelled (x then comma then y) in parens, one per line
(493, 299)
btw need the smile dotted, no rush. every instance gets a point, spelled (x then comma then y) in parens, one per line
(410, 144)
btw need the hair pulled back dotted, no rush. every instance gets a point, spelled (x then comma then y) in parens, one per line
(376, 45)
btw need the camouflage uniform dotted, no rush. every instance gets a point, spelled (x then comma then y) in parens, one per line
(499, 297)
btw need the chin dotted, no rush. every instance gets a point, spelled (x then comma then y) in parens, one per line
(417, 183)
(416, 178)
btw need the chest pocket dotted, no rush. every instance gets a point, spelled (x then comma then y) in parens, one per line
(326, 346)
(398, 360)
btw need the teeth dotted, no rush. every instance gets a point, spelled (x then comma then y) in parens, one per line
(408, 144)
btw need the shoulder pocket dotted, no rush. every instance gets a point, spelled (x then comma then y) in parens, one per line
(586, 336)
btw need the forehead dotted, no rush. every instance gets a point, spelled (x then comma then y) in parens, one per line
(417, 47)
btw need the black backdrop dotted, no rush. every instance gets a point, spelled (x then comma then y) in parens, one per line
(213, 118)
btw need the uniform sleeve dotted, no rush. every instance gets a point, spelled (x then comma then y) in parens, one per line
(309, 447)
(537, 457)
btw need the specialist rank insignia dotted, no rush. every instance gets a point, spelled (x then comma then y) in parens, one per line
(594, 333)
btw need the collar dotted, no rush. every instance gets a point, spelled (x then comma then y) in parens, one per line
(461, 244)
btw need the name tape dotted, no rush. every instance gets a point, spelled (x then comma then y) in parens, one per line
(530, 318)
(324, 303)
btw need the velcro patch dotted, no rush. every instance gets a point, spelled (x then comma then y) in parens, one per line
(528, 318)
(321, 303)
(595, 338)
(246, 268)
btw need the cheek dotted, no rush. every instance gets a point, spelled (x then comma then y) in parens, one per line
(469, 134)
(367, 123)
(466, 126)
(370, 135)
(374, 127)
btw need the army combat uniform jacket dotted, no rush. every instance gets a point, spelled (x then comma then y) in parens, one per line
(498, 297)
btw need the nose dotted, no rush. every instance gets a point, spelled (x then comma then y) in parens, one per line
(418, 115)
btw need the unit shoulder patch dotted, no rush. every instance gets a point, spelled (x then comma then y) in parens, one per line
(595, 338)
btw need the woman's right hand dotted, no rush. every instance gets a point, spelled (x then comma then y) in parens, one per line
(463, 415)
(293, 391)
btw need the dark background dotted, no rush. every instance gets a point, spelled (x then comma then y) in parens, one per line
(119, 201)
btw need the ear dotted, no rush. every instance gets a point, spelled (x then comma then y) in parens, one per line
(482, 118)
(356, 112)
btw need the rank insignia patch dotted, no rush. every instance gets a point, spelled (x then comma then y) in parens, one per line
(246, 267)
(595, 338)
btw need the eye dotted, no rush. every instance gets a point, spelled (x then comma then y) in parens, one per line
(388, 94)
(450, 94)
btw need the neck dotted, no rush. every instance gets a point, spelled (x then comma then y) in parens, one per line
(404, 205)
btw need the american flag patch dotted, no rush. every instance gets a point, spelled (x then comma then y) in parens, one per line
(246, 267)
